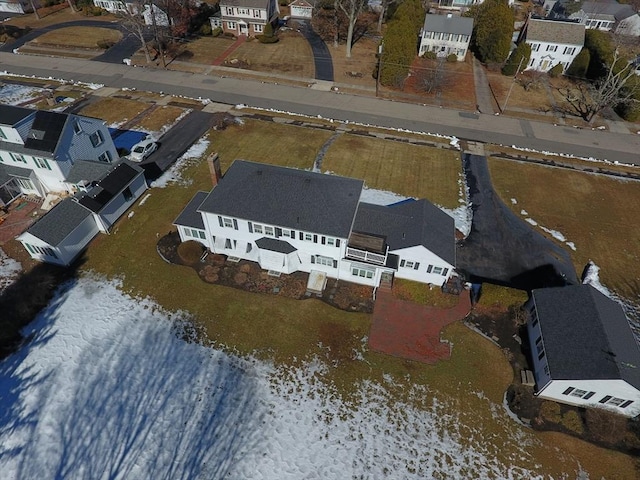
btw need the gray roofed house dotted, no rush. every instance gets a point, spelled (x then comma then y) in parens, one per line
(410, 224)
(609, 15)
(286, 197)
(586, 335)
(190, 216)
(555, 31)
(59, 222)
(445, 35)
(448, 24)
(10, 115)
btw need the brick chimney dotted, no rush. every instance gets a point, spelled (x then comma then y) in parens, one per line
(214, 168)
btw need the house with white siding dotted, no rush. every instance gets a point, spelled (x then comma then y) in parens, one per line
(63, 233)
(552, 42)
(289, 220)
(301, 9)
(583, 350)
(39, 149)
(18, 6)
(136, 7)
(248, 17)
(445, 35)
(609, 15)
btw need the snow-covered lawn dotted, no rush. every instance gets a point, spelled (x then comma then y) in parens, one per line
(107, 388)
(9, 269)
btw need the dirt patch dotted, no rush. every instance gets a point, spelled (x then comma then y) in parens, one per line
(248, 276)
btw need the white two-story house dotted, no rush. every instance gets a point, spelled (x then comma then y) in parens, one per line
(136, 7)
(40, 151)
(290, 220)
(248, 17)
(609, 15)
(552, 42)
(583, 350)
(445, 35)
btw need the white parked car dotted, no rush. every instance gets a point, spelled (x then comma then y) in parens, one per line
(142, 150)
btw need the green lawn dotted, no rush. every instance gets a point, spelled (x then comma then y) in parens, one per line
(410, 170)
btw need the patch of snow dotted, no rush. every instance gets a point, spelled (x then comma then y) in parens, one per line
(126, 61)
(555, 234)
(531, 221)
(118, 394)
(131, 214)
(144, 199)
(462, 217)
(514, 201)
(571, 245)
(173, 175)
(454, 142)
(9, 270)
(380, 197)
(12, 94)
(524, 212)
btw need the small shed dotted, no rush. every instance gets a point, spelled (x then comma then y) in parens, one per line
(301, 9)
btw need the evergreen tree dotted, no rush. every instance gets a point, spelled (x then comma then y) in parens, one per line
(522, 53)
(492, 30)
(580, 64)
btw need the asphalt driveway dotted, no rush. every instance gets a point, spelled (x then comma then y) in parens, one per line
(321, 54)
(502, 248)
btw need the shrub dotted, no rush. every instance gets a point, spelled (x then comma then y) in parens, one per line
(216, 32)
(430, 55)
(556, 71)
(105, 44)
(550, 412)
(578, 67)
(205, 29)
(452, 57)
(190, 252)
(573, 422)
(265, 39)
(628, 111)
(283, 3)
(605, 426)
(518, 58)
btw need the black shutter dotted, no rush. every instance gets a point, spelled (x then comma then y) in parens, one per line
(335, 264)
(301, 235)
(278, 232)
(313, 259)
(444, 272)
(323, 240)
(588, 395)
(220, 221)
(429, 268)
(250, 227)
(402, 263)
(416, 266)
(568, 391)
(626, 404)
(293, 234)
(337, 242)
(235, 224)
(315, 239)
(605, 399)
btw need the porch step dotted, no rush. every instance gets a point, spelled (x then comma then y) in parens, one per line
(233, 259)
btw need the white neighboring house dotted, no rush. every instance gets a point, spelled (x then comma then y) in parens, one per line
(552, 42)
(290, 220)
(445, 35)
(41, 150)
(161, 20)
(609, 15)
(583, 349)
(301, 9)
(64, 232)
(18, 6)
(132, 7)
(248, 17)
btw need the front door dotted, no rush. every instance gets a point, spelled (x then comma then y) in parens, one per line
(244, 29)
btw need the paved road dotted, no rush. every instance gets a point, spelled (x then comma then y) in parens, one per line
(338, 106)
(321, 54)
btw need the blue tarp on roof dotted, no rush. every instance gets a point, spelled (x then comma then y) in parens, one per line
(126, 138)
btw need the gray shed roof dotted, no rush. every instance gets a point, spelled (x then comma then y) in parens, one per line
(555, 31)
(10, 115)
(110, 186)
(586, 335)
(286, 197)
(59, 222)
(410, 224)
(275, 245)
(448, 24)
(7, 172)
(190, 216)
(88, 170)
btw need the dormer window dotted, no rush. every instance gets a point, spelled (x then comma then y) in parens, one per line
(77, 127)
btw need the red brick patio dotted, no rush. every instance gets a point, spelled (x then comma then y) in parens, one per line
(408, 330)
(22, 213)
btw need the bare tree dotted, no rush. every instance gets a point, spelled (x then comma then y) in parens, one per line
(431, 80)
(352, 9)
(384, 6)
(617, 87)
(133, 21)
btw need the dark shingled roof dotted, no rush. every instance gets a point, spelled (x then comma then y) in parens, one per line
(611, 8)
(110, 186)
(245, 3)
(59, 222)
(586, 335)
(7, 172)
(10, 115)
(286, 197)
(410, 224)
(275, 245)
(45, 131)
(555, 31)
(190, 216)
(88, 170)
(445, 24)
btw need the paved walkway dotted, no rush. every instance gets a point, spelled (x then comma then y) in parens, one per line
(484, 95)
(407, 330)
(232, 48)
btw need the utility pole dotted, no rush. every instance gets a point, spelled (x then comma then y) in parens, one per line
(504, 107)
(379, 68)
